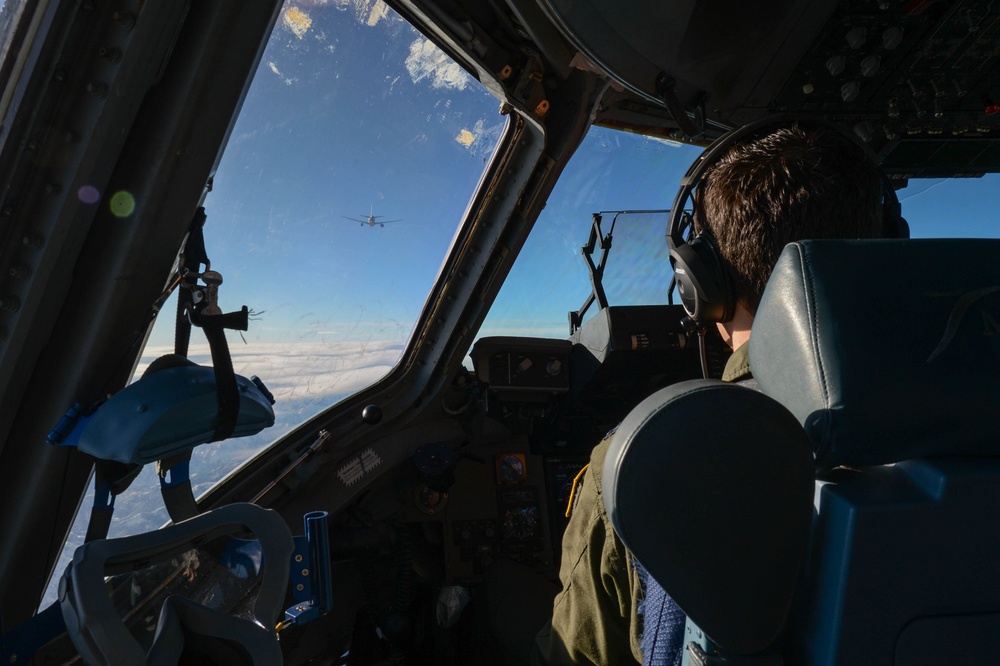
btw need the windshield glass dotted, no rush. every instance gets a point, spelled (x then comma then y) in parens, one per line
(614, 171)
(13, 46)
(341, 188)
(611, 172)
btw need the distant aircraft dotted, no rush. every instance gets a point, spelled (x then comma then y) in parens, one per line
(372, 219)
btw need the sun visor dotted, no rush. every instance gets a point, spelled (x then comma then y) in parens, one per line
(885, 350)
(170, 411)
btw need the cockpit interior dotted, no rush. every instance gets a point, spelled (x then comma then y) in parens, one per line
(236, 427)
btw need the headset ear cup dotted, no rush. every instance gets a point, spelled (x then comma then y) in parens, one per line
(902, 227)
(701, 282)
(894, 225)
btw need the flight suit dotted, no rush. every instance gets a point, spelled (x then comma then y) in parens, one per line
(596, 618)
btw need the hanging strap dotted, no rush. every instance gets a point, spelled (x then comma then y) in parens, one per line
(193, 257)
(175, 486)
(214, 327)
(197, 305)
(111, 478)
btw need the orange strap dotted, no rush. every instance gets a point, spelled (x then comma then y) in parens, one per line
(572, 491)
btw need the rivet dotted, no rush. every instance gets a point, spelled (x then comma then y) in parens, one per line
(34, 144)
(124, 19)
(300, 587)
(60, 75)
(20, 272)
(110, 53)
(33, 240)
(9, 304)
(69, 136)
(305, 572)
(142, 408)
(7, 210)
(298, 558)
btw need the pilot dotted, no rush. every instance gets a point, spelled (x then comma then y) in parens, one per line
(780, 184)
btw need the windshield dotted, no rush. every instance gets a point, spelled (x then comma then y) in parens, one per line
(613, 171)
(343, 183)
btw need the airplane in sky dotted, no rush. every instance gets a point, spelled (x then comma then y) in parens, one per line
(371, 219)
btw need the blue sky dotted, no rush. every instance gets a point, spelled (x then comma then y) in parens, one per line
(349, 109)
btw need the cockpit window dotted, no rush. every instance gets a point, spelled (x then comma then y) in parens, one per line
(12, 47)
(616, 174)
(341, 188)
(630, 181)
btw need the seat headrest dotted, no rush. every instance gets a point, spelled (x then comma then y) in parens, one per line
(710, 485)
(885, 350)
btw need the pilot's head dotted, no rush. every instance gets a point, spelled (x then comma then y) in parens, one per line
(790, 184)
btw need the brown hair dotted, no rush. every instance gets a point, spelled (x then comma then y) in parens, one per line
(792, 184)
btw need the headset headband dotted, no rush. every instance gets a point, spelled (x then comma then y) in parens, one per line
(719, 147)
(702, 280)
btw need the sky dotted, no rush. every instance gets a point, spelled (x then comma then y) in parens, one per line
(350, 110)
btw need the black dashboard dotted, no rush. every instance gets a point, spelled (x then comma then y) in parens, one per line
(558, 398)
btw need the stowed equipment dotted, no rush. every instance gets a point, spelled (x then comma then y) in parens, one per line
(175, 406)
(216, 581)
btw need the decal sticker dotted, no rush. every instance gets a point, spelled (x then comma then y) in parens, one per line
(355, 468)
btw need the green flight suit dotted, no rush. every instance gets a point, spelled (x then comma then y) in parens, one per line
(595, 617)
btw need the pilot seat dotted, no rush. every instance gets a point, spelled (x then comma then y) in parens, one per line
(846, 512)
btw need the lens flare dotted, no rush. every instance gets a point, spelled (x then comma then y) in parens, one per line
(122, 204)
(89, 194)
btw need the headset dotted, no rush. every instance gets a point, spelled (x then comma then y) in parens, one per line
(702, 281)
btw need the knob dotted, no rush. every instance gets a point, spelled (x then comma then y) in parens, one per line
(371, 414)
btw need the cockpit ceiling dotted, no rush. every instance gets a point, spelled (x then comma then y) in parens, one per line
(918, 79)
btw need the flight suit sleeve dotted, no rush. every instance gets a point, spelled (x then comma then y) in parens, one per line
(594, 617)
